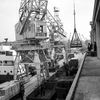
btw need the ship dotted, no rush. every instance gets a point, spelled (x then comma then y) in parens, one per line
(6, 64)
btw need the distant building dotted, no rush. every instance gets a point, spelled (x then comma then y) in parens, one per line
(95, 26)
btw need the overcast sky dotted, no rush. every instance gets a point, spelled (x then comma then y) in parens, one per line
(84, 10)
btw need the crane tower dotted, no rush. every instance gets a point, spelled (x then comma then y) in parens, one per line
(30, 31)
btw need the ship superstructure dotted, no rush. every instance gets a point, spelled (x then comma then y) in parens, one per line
(6, 64)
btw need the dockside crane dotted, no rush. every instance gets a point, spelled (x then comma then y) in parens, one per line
(30, 31)
(56, 34)
(75, 41)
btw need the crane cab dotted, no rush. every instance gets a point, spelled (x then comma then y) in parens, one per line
(34, 29)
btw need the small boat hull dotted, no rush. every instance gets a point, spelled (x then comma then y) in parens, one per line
(5, 78)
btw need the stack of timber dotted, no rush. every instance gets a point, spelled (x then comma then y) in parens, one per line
(8, 90)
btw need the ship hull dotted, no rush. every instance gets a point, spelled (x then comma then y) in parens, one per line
(5, 78)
